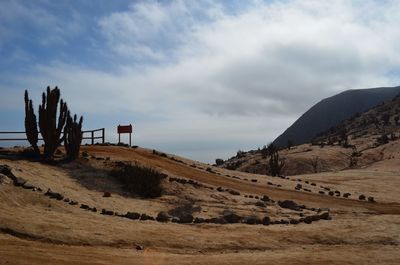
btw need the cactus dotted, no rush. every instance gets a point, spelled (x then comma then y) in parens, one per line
(31, 124)
(50, 130)
(73, 137)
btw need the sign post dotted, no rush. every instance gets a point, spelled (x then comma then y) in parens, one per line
(125, 129)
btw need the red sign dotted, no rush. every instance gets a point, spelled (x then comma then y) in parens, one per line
(125, 128)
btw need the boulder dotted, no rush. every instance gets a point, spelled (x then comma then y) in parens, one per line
(199, 220)
(185, 218)
(163, 217)
(132, 215)
(260, 204)
(28, 186)
(145, 217)
(266, 220)
(19, 181)
(325, 216)
(107, 212)
(232, 218)
(234, 192)
(290, 205)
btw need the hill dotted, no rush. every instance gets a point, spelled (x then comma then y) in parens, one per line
(76, 221)
(331, 111)
(354, 143)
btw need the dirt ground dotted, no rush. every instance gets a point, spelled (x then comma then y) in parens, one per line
(35, 229)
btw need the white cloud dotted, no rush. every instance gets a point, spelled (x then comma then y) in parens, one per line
(233, 80)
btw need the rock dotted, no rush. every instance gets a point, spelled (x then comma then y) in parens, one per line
(73, 203)
(325, 216)
(290, 205)
(346, 195)
(216, 220)
(163, 217)
(6, 170)
(294, 221)
(234, 192)
(145, 217)
(232, 218)
(85, 154)
(66, 200)
(361, 197)
(106, 194)
(251, 220)
(251, 196)
(260, 204)
(185, 218)
(253, 180)
(84, 206)
(54, 195)
(94, 209)
(107, 212)
(138, 247)
(28, 186)
(308, 220)
(256, 197)
(266, 220)
(315, 218)
(313, 184)
(371, 199)
(331, 193)
(265, 198)
(19, 181)
(270, 183)
(220, 189)
(132, 215)
(199, 220)
(321, 192)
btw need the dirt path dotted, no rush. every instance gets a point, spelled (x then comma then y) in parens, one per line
(175, 168)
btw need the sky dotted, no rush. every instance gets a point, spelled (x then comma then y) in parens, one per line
(201, 79)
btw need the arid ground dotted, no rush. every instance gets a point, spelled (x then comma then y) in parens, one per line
(35, 229)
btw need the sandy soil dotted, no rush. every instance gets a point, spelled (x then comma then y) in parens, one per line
(37, 230)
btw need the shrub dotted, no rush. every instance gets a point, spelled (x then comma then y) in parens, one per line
(140, 180)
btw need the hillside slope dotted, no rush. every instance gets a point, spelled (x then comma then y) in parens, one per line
(36, 229)
(330, 111)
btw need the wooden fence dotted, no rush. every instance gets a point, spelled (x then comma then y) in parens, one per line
(91, 136)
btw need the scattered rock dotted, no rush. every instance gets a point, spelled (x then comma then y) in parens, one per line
(266, 220)
(73, 203)
(234, 192)
(308, 220)
(132, 215)
(138, 247)
(163, 217)
(66, 200)
(84, 206)
(321, 192)
(220, 189)
(107, 212)
(199, 220)
(19, 181)
(361, 197)
(371, 199)
(325, 216)
(331, 193)
(265, 198)
(106, 194)
(251, 220)
(185, 218)
(294, 221)
(290, 205)
(145, 217)
(253, 180)
(28, 186)
(232, 218)
(260, 204)
(346, 195)
(54, 195)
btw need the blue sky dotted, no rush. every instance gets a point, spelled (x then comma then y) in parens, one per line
(197, 78)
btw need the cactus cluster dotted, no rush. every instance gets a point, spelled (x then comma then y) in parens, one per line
(53, 130)
(73, 137)
(31, 124)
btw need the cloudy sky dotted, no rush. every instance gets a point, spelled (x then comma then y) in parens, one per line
(201, 79)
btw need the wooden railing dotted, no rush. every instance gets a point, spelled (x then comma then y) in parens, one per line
(91, 136)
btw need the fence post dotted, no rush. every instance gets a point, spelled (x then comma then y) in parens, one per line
(103, 133)
(92, 137)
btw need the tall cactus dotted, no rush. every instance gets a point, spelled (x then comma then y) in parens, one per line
(49, 128)
(73, 137)
(31, 124)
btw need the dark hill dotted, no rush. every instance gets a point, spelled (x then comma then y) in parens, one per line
(331, 111)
